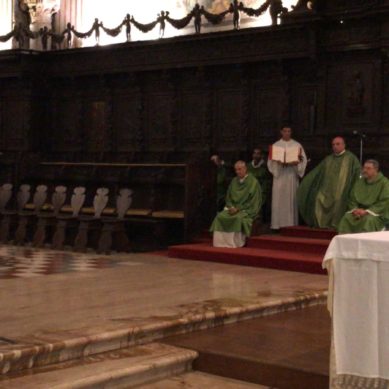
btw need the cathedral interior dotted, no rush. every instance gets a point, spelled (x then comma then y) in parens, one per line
(129, 103)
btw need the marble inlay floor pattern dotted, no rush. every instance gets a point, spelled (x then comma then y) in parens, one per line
(26, 262)
(128, 299)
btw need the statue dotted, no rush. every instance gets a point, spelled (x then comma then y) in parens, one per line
(162, 23)
(276, 9)
(23, 20)
(127, 23)
(96, 28)
(234, 9)
(356, 95)
(197, 18)
(44, 33)
(68, 35)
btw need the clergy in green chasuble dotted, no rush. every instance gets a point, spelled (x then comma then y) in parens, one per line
(258, 168)
(243, 202)
(324, 193)
(368, 208)
(221, 181)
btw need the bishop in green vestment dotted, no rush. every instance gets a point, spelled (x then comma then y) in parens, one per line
(324, 193)
(243, 202)
(369, 202)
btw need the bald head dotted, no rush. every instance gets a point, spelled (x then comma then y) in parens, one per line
(338, 145)
(240, 169)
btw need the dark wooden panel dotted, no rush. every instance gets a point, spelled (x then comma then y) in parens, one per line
(268, 109)
(231, 120)
(385, 100)
(195, 117)
(96, 127)
(16, 122)
(159, 121)
(66, 123)
(127, 121)
(352, 96)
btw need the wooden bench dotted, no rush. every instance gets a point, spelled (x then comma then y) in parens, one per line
(173, 201)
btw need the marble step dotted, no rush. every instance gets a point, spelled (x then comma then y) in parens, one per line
(26, 353)
(126, 368)
(200, 380)
(287, 350)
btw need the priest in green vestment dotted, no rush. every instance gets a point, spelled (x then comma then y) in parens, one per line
(258, 168)
(323, 194)
(243, 202)
(369, 202)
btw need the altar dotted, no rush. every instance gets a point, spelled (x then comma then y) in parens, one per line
(358, 300)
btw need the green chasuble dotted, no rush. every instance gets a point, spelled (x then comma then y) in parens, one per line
(324, 193)
(262, 174)
(221, 185)
(373, 197)
(245, 196)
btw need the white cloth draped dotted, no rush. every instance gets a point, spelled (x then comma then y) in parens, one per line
(284, 210)
(359, 264)
(228, 239)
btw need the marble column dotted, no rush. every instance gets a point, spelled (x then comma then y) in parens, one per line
(70, 12)
(5, 21)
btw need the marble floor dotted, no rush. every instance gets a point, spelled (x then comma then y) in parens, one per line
(57, 306)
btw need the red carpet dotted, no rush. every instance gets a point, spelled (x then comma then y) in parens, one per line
(296, 249)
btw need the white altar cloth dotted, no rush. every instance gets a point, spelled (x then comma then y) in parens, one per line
(359, 264)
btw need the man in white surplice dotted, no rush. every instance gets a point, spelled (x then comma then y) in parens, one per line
(285, 183)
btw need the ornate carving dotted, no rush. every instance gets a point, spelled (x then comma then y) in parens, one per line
(356, 95)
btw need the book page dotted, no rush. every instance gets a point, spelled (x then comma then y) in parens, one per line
(277, 153)
(292, 154)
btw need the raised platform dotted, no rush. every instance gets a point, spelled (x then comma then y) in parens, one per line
(50, 315)
(296, 248)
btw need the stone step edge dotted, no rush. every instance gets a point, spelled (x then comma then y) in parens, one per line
(51, 353)
(152, 368)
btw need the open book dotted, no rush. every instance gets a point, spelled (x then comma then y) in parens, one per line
(284, 155)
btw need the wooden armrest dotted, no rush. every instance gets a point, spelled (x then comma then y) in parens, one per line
(67, 209)
(45, 207)
(109, 211)
(167, 214)
(138, 212)
(88, 210)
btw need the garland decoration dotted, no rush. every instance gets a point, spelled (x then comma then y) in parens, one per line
(144, 27)
(22, 32)
(180, 23)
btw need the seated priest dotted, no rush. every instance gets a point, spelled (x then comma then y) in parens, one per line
(324, 193)
(243, 202)
(369, 202)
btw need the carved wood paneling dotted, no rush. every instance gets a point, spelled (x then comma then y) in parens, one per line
(159, 126)
(305, 109)
(385, 100)
(194, 130)
(229, 107)
(126, 120)
(96, 126)
(267, 111)
(66, 116)
(16, 122)
(352, 96)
